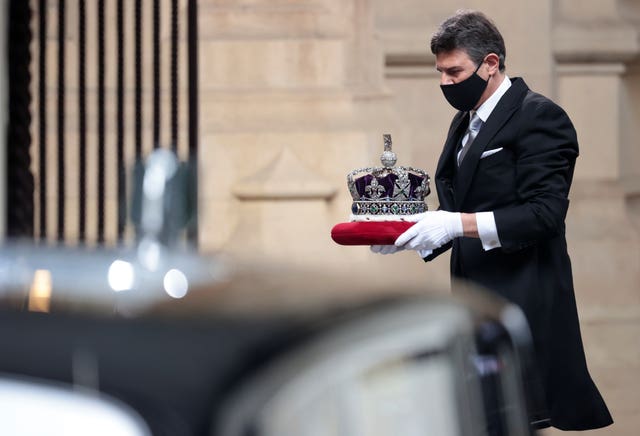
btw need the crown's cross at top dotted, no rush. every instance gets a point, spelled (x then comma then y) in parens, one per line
(387, 142)
(388, 157)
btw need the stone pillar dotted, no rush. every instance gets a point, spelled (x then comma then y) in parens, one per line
(592, 46)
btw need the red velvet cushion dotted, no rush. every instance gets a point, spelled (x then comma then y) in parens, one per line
(369, 232)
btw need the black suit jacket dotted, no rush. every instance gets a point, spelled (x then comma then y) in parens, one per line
(526, 186)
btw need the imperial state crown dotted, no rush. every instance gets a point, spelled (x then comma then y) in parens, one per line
(387, 200)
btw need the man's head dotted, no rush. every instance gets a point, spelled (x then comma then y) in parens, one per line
(469, 49)
(472, 32)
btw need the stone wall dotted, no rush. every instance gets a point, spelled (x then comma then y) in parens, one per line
(293, 97)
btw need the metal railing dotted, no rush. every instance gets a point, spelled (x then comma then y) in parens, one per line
(105, 86)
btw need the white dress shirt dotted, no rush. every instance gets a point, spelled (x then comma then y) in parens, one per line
(487, 230)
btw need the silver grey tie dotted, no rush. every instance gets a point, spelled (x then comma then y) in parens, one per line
(474, 127)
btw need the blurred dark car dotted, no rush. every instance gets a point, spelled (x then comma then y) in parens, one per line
(180, 344)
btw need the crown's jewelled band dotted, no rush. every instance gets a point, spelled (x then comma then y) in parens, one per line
(388, 207)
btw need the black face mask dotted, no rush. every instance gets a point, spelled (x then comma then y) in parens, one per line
(465, 95)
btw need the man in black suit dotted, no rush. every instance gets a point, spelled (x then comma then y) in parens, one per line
(503, 181)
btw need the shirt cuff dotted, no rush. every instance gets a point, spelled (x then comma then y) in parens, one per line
(487, 230)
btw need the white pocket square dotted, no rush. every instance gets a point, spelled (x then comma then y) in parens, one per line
(490, 152)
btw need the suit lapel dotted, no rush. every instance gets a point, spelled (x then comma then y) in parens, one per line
(445, 171)
(507, 106)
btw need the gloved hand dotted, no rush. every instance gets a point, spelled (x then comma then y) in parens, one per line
(434, 230)
(385, 249)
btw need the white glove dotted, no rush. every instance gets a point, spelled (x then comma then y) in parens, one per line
(434, 230)
(385, 249)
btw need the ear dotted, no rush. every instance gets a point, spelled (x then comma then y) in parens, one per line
(493, 63)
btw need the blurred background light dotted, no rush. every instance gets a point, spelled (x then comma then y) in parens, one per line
(149, 252)
(40, 292)
(121, 276)
(176, 283)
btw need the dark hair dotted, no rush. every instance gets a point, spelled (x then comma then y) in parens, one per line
(472, 32)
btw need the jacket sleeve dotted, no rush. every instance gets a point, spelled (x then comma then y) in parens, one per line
(545, 152)
(437, 252)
